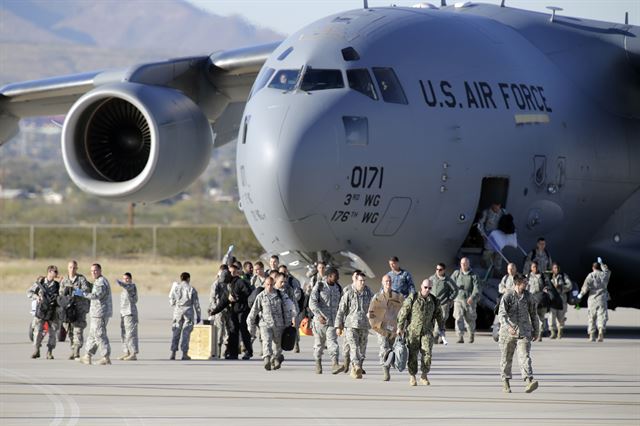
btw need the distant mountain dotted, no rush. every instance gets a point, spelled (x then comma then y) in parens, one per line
(44, 38)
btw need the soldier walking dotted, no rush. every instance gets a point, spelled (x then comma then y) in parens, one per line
(563, 285)
(324, 302)
(417, 319)
(128, 318)
(270, 313)
(74, 286)
(538, 289)
(45, 292)
(100, 311)
(518, 325)
(445, 290)
(184, 300)
(352, 315)
(596, 285)
(464, 307)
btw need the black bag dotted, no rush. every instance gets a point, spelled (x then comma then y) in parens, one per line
(62, 333)
(288, 338)
(67, 309)
(541, 299)
(555, 300)
(46, 310)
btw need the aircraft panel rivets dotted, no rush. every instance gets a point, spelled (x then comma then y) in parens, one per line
(444, 177)
(616, 238)
(462, 217)
(443, 188)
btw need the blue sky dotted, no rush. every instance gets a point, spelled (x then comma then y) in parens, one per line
(287, 16)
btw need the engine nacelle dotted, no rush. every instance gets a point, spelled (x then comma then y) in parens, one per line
(135, 142)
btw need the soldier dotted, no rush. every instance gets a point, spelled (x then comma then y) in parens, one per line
(45, 291)
(538, 289)
(73, 286)
(128, 318)
(294, 291)
(489, 222)
(352, 315)
(184, 300)
(518, 324)
(270, 308)
(464, 307)
(506, 284)
(445, 290)
(563, 285)
(324, 302)
(540, 255)
(259, 276)
(100, 311)
(219, 321)
(596, 284)
(383, 317)
(418, 317)
(401, 280)
(247, 271)
(274, 261)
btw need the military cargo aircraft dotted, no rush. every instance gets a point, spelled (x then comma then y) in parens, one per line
(383, 131)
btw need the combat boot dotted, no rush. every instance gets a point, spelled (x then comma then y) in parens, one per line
(358, 372)
(85, 359)
(531, 385)
(297, 348)
(592, 337)
(36, 353)
(347, 364)
(104, 361)
(424, 380)
(277, 363)
(131, 357)
(185, 357)
(353, 372)
(385, 374)
(50, 354)
(553, 334)
(412, 381)
(472, 338)
(267, 364)
(173, 356)
(539, 339)
(460, 338)
(318, 366)
(123, 356)
(559, 333)
(336, 368)
(600, 335)
(506, 388)
(72, 355)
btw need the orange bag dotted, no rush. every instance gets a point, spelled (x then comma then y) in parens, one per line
(305, 327)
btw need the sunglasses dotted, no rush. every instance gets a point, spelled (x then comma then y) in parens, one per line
(439, 269)
(427, 288)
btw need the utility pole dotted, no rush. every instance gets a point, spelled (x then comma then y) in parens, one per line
(131, 214)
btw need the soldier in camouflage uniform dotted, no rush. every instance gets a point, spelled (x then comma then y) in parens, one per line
(487, 223)
(538, 287)
(518, 325)
(417, 318)
(445, 290)
(346, 349)
(219, 320)
(540, 255)
(352, 315)
(464, 307)
(270, 313)
(128, 318)
(506, 284)
(386, 324)
(45, 291)
(596, 285)
(184, 300)
(74, 285)
(563, 285)
(323, 302)
(100, 311)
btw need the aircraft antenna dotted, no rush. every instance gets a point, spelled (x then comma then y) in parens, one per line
(502, 3)
(366, 4)
(626, 18)
(443, 3)
(553, 10)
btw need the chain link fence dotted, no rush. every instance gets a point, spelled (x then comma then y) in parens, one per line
(117, 241)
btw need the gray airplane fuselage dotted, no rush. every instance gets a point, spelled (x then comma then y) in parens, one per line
(509, 96)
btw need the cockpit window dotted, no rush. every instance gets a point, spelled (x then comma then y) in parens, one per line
(316, 79)
(389, 86)
(360, 80)
(285, 80)
(261, 80)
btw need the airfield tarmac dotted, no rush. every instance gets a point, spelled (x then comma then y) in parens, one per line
(580, 382)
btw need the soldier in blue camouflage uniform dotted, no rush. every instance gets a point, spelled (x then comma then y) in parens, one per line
(401, 280)
(417, 319)
(270, 313)
(352, 315)
(74, 285)
(324, 302)
(518, 325)
(100, 312)
(128, 318)
(464, 307)
(445, 290)
(596, 285)
(186, 304)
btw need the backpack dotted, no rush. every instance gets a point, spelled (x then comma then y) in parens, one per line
(67, 309)
(46, 309)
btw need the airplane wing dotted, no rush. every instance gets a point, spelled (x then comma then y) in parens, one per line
(143, 133)
(218, 83)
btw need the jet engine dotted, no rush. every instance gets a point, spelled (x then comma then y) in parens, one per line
(135, 142)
